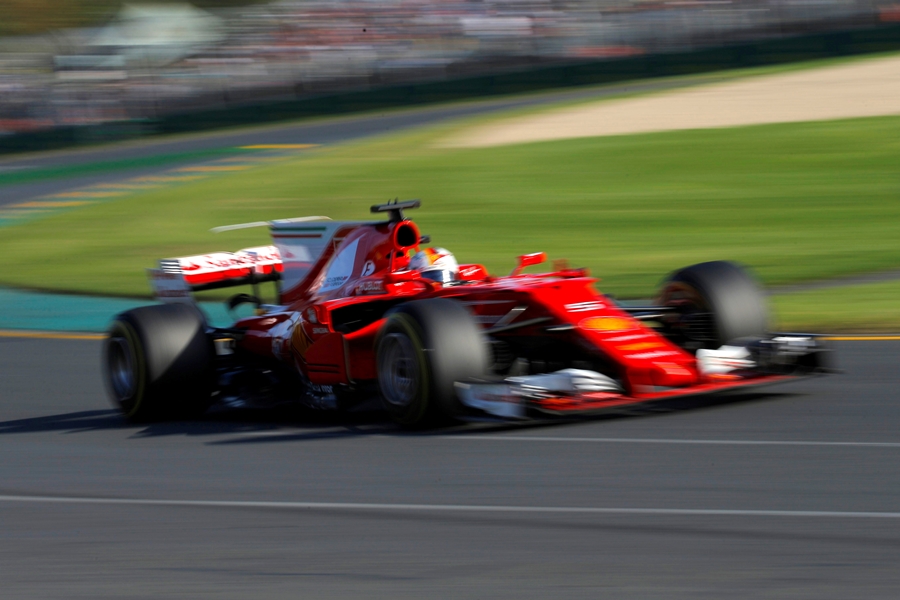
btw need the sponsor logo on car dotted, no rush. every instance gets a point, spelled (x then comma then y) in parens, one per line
(370, 287)
(585, 306)
(607, 324)
(341, 268)
(169, 287)
(653, 345)
(656, 354)
(625, 338)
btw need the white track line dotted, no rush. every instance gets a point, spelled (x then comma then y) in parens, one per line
(353, 506)
(581, 440)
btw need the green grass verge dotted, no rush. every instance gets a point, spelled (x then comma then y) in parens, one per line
(796, 202)
(862, 308)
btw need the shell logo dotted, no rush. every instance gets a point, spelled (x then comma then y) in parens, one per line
(606, 324)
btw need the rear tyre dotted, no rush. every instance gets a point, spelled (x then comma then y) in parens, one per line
(716, 302)
(159, 363)
(423, 349)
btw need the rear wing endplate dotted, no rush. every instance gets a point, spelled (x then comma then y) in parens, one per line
(177, 278)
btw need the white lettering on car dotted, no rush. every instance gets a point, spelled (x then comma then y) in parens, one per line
(585, 306)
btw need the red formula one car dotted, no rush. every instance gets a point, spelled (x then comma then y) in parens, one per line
(353, 320)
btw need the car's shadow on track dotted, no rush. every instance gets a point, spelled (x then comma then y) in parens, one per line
(293, 424)
(73, 422)
(215, 423)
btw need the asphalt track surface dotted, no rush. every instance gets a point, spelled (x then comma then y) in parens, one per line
(790, 493)
(188, 150)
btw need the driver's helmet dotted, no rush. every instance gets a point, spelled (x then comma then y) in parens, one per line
(437, 264)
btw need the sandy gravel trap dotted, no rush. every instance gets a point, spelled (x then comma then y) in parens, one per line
(856, 89)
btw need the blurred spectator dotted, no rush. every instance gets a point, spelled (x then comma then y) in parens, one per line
(135, 61)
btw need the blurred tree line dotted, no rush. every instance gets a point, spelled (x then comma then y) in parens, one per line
(21, 17)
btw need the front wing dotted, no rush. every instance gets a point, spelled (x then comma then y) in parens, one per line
(504, 400)
(573, 393)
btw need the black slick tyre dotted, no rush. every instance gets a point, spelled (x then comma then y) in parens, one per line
(158, 363)
(717, 302)
(423, 349)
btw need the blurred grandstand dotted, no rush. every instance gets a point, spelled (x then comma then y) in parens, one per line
(149, 61)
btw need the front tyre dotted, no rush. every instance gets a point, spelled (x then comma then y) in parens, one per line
(716, 302)
(158, 363)
(424, 348)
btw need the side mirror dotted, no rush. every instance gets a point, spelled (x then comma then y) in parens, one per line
(528, 260)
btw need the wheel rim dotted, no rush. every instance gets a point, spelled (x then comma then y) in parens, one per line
(121, 368)
(399, 370)
(696, 321)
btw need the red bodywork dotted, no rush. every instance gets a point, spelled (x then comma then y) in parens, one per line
(333, 307)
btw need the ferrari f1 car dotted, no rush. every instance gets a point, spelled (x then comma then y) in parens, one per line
(353, 320)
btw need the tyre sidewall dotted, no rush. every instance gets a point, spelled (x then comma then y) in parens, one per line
(131, 404)
(735, 299)
(450, 347)
(174, 362)
(420, 409)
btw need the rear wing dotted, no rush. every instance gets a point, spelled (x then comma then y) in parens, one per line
(176, 278)
(302, 247)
